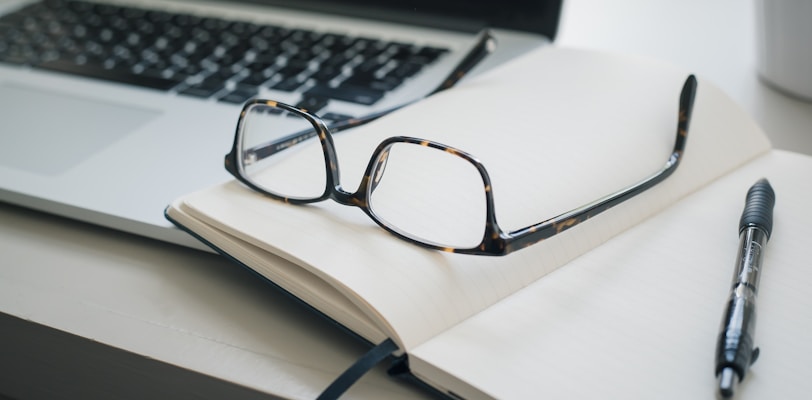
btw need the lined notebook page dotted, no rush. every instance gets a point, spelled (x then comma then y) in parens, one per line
(556, 129)
(638, 317)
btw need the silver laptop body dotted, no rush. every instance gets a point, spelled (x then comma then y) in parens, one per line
(94, 146)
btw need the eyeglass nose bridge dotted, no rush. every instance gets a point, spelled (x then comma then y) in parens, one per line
(345, 198)
(372, 177)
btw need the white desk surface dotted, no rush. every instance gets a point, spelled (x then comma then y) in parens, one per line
(200, 313)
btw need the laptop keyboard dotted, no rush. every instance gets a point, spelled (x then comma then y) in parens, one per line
(206, 57)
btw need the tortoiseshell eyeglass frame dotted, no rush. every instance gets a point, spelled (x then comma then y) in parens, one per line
(495, 241)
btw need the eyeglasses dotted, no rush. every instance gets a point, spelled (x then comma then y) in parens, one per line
(424, 192)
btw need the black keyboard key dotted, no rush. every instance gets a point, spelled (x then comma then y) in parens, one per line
(427, 55)
(313, 104)
(335, 117)
(370, 48)
(288, 85)
(405, 70)
(157, 72)
(258, 66)
(400, 52)
(99, 72)
(336, 44)
(291, 69)
(254, 79)
(369, 66)
(225, 73)
(196, 91)
(387, 83)
(345, 92)
(206, 88)
(190, 70)
(15, 56)
(337, 60)
(239, 95)
(326, 74)
(177, 76)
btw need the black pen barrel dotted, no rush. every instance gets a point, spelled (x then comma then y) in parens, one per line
(735, 351)
(734, 348)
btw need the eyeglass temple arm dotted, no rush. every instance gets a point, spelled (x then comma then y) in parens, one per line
(485, 44)
(535, 233)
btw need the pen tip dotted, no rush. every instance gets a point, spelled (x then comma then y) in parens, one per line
(727, 383)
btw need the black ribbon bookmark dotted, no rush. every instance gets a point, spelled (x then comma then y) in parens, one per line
(357, 370)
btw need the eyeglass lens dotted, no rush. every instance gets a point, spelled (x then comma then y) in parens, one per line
(265, 124)
(429, 195)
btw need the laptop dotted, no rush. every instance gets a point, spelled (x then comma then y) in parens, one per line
(110, 109)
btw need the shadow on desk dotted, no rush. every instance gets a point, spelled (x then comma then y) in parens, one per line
(42, 362)
(88, 312)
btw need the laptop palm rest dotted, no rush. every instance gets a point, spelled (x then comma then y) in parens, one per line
(83, 126)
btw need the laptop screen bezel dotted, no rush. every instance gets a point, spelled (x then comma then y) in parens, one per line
(531, 16)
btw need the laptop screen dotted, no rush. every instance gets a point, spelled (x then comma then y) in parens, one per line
(535, 16)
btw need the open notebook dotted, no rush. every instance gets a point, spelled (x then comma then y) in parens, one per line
(635, 308)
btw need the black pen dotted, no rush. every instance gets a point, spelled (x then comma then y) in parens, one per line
(734, 350)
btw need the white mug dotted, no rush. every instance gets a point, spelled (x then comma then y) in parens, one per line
(784, 45)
